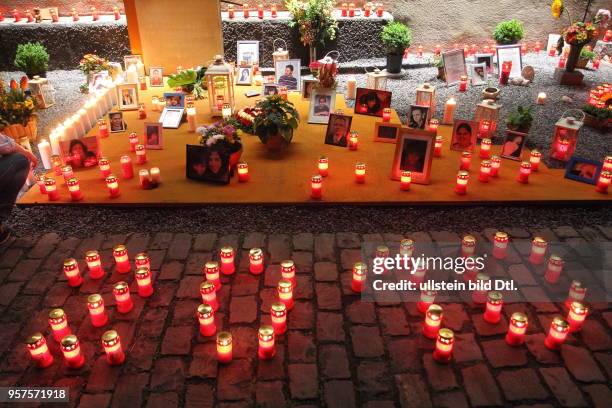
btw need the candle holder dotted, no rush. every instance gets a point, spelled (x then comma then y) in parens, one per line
(287, 269)
(226, 254)
(433, 125)
(426, 299)
(323, 166)
(112, 183)
(485, 171)
(67, 172)
(141, 260)
(121, 291)
(495, 166)
(468, 246)
(40, 182)
(256, 262)
(438, 146)
(143, 280)
(59, 324)
(209, 294)
(463, 81)
(433, 320)
(285, 293)
(462, 182)
(577, 293)
(534, 158)
(479, 294)
(485, 148)
(316, 187)
(405, 180)
(105, 167)
(141, 154)
(97, 313)
(386, 114)
(72, 272)
(500, 245)
(538, 250)
(278, 315)
(444, 346)
(243, 172)
(211, 273)
(449, 111)
(94, 264)
(360, 172)
(406, 247)
(554, 269)
(102, 129)
(353, 140)
(559, 328)
(517, 329)
(39, 352)
(206, 318)
(504, 74)
(524, 172)
(604, 181)
(224, 347)
(51, 189)
(71, 348)
(576, 316)
(112, 347)
(122, 261)
(74, 188)
(465, 161)
(493, 308)
(360, 272)
(267, 348)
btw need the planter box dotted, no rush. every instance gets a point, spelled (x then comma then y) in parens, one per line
(600, 124)
(17, 132)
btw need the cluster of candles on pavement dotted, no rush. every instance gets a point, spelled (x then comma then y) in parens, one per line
(246, 11)
(31, 17)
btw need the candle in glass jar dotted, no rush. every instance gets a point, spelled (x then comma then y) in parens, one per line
(524, 172)
(562, 61)
(463, 80)
(273, 11)
(40, 181)
(405, 180)
(554, 269)
(211, 273)
(495, 165)
(58, 321)
(426, 299)
(226, 254)
(534, 158)
(141, 154)
(143, 280)
(243, 172)
(538, 250)
(576, 316)
(406, 247)
(71, 348)
(116, 13)
(316, 187)
(267, 349)
(285, 293)
(278, 316)
(353, 140)
(577, 292)
(67, 172)
(105, 167)
(433, 125)
(191, 118)
(485, 148)
(479, 293)
(256, 263)
(604, 181)
(97, 314)
(360, 172)
(607, 36)
(226, 111)
(465, 161)
(386, 114)
(51, 189)
(122, 260)
(437, 49)
(155, 174)
(468, 246)
(282, 91)
(144, 178)
(537, 47)
(39, 351)
(127, 169)
(485, 171)
(102, 129)
(224, 347)
(94, 264)
(449, 111)
(541, 100)
(351, 88)
(504, 74)
(124, 302)
(74, 189)
(557, 333)
(433, 320)
(113, 186)
(112, 348)
(517, 329)
(462, 182)
(596, 62)
(75, 14)
(323, 166)
(209, 295)
(500, 245)
(379, 10)
(444, 346)
(230, 11)
(245, 10)
(607, 164)
(206, 318)
(287, 269)
(438, 146)
(72, 272)
(493, 308)
(57, 163)
(134, 140)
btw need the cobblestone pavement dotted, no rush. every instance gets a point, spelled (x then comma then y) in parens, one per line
(338, 351)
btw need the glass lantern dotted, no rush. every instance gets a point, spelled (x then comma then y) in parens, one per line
(280, 53)
(487, 116)
(426, 96)
(376, 80)
(565, 137)
(220, 80)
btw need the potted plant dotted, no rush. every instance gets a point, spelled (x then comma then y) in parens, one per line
(91, 64)
(520, 121)
(598, 117)
(276, 123)
(585, 57)
(396, 37)
(245, 118)
(577, 36)
(33, 59)
(17, 111)
(223, 134)
(315, 22)
(438, 62)
(508, 32)
(190, 81)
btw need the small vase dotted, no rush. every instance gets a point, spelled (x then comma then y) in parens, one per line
(573, 57)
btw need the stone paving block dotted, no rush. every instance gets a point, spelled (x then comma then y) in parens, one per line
(440, 376)
(333, 362)
(404, 355)
(142, 354)
(128, 392)
(180, 246)
(184, 311)
(245, 342)
(137, 242)
(326, 272)
(195, 263)
(245, 284)
(168, 374)
(412, 391)
(163, 400)
(366, 341)
(161, 240)
(204, 242)
(499, 354)
(25, 270)
(189, 287)
(348, 240)
(10, 258)
(455, 317)
(234, 381)
(605, 360)
(164, 294)
(303, 242)
(522, 384)
(453, 399)
(580, 364)
(480, 386)
(330, 327)
(270, 394)
(95, 400)
(324, 247)
(328, 296)
(393, 321)
(8, 292)
(484, 328)
(522, 275)
(302, 316)
(535, 345)
(103, 376)
(373, 378)
(204, 362)
(303, 381)
(199, 396)
(177, 340)
(279, 247)
(272, 369)
(600, 395)
(44, 246)
(339, 394)
(349, 257)
(243, 309)
(268, 296)
(254, 240)
(595, 336)
(172, 270)
(562, 387)
(303, 261)
(272, 275)
(361, 312)
(302, 348)
(304, 288)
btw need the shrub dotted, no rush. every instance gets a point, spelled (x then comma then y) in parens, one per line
(396, 37)
(509, 32)
(520, 120)
(32, 58)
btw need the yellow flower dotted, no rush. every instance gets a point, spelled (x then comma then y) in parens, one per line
(556, 8)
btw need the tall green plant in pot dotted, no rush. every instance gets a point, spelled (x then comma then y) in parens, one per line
(276, 122)
(33, 59)
(396, 37)
(509, 32)
(520, 120)
(315, 22)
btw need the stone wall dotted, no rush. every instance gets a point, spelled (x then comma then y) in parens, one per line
(64, 6)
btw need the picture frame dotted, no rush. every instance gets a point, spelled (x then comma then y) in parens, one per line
(270, 89)
(414, 152)
(171, 118)
(245, 75)
(512, 146)
(156, 77)
(208, 163)
(133, 59)
(174, 99)
(308, 84)
(417, 117)
(46, 97)
(338, 129)
(551, 44)
(454, 65)
(322, 104)
(464, 135)
(478, 74)
(583, 170)
(127, 96)
(247, 53)
(510, 53)
(372, 102)
(116, 122)
(486, 59)
(98, 81)
(153, 134)
(288, 73)
(386, 132)
(80, 153)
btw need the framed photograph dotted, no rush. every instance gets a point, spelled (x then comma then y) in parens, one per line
(308, 84)
(153, 136)
(338, 129)
(386, 132)
(372, 102)
(156, 76)
(478, 74)
(208, 163)
(46, 97)
(417, 117)
(247, 53)
(486, 59)
(80, 153)
(583, 170)
(171, 117)
(414, 153)
(174, 99)
(117, 124)
(510, 53)
(128, 96)
(553, 40)
(322, 104)
(98, 81)
(245, 75)
(513, 145)
(464, 135)
(288, 73)
(270, 89)
(454, 65)
(130, 60)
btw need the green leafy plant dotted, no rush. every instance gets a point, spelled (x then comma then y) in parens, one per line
(598, 113)
(397, 37)
(314, 19)
(587, 55)
(32, 58)
(509, 32)
(191, 80)
(520, 120)
(16, 107)
(277, 116)
(438, 61)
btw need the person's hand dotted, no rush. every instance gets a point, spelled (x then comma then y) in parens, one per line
(31, 157)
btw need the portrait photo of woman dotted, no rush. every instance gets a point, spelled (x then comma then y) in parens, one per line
(80, 153)
(464, 135)
(417, 117)
(208, 163)
(116, 122)
(372, 102)
(513, 146)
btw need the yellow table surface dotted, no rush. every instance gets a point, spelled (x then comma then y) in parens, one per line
(285, 178)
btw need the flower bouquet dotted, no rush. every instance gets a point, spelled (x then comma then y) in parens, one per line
(17, 111)
(328, 70)
(246, 117)
(225, 134)
(314, 68)
(579, 33)
(92, 64)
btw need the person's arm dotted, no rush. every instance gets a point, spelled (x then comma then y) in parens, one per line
(8, 146)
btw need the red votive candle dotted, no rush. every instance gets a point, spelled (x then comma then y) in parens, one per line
(209, 295)
(75, 14)
(72, 272)
(323, 166)
(230, 11)
(576, 316)
(433, 320)
(406, 247)
(273, 11)
(379, 10)
(287, 269)
(462, 182)
(226, 254)
(256, 263)
(245, 10)
(37, 346)
(134, 140)
(97, 314)
(468, 246)
(386, 115)
(67, 172)
(608, 36)
(116, 13)
(278, 315)
(57, 163)
(141, 154)
(577, 293)
(51, 189)
(122, 260)
(485, 171)
(360, 272)
(493, 308)
(353, 140)
(141, 260)
(243, 172)
(224, 347)
(112, 347)
(420, 51)
(495, 166)
(143, 279)
(485, 148)
(285, 293)
(94, 264)
(102, 129)
(105, 167)
(71, 349)
(438, 146)
(211, 273)
(504, 74)
(517, 329)
(537, 47)
(437, 49)
(604, 181)
(500, 245)
(267, 349)
(465, 161)
(405, 180)
(557, 333)
(426, 299)
(316, 187)
(16, 16)
(479, 294)
(596, 63)
(113, 186)
(534, 158)
(360, 172)
(54, 17)
(40, 181)
(206, 318)
(94, 14)
(538, 250)
(524, 172)
(443, 353)
(74, 188)
(562, 61)
(553, 269)
(260, 11)
(59, 324)
(121, 290)
(433, 125)
(463, 80)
